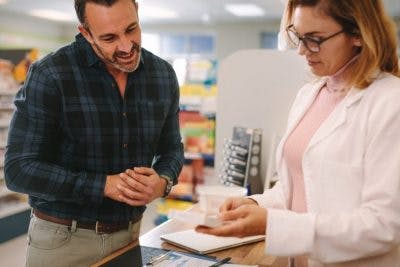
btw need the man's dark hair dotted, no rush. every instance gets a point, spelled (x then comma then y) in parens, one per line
(80, 6)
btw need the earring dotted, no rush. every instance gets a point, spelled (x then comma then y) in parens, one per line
(357, 43)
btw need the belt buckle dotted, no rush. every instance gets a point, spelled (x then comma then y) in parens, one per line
(96, 228)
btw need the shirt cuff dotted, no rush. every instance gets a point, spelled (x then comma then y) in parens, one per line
(94, 187)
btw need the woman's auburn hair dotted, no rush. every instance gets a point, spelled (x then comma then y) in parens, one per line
(367, 20)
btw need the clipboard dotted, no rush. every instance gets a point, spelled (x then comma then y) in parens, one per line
(204, 243)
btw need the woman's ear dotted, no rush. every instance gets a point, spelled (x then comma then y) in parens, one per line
(357, 42)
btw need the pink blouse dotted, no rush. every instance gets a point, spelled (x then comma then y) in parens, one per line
(324, 103)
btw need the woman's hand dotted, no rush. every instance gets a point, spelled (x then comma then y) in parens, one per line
(235, 202)
(245, 220)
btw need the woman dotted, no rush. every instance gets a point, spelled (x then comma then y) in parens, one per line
(337, 202)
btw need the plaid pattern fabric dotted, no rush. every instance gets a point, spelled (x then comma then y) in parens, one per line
(71, 128)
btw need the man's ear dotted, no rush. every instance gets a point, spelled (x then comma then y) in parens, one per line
(85, 33)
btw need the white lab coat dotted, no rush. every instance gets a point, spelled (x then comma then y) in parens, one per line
(352, 182)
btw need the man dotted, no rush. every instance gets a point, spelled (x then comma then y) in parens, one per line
(95, 137)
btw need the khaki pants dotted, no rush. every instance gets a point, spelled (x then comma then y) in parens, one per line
(51, 244)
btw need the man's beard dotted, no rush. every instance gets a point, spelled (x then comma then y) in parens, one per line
(114, 60)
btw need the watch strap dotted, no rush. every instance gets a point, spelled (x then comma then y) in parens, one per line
(168, 185)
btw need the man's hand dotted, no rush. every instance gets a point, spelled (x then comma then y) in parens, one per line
(246, 220)
(136, 187)
(113, 185)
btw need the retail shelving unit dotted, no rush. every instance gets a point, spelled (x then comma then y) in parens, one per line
(14, 209)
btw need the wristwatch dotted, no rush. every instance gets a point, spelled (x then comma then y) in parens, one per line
(168, 186)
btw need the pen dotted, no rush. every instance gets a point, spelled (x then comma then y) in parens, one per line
(157, 259)
(221, 262)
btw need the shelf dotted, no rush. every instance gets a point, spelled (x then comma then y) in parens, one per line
(195, 155)
(4, 124)
(208, 158)
(13, 208)
(7, 108)
(8, 92)
(5, 192)
(204, 105)
(14, 222)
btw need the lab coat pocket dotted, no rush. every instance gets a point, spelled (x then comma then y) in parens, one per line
(341, 185)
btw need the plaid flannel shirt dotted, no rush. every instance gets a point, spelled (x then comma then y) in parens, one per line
(71, 128)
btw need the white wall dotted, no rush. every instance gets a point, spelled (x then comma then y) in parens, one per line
(229, 37)
(21, 31)
(256, 89)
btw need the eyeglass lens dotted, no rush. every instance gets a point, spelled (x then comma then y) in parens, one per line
(295, 39)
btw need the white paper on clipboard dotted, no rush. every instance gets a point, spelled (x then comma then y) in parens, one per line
(204, 243)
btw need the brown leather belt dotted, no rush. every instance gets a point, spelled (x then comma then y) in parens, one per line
(99, 227)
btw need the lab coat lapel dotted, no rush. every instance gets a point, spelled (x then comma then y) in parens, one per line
(299, 109)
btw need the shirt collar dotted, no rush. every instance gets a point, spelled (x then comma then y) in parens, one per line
(87, 54)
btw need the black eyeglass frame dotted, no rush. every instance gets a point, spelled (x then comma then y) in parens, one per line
(305, 39)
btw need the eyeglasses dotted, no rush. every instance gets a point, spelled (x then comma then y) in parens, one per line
(311, 43)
